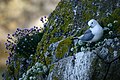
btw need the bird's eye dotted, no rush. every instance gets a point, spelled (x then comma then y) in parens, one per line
(92, 23)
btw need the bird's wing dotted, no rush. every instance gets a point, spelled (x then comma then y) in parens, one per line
(87, 31)
(87, 36)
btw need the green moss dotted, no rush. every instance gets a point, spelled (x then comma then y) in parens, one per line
(116, 16)
(63, 48)
(48, 60)
(111, 18)
(51, 68)
(88, 10)
(86, 15)
(55, 78)
(54, 39)
(42, 59)
(64, 15)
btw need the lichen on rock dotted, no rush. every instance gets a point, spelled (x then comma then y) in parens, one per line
(70, 17)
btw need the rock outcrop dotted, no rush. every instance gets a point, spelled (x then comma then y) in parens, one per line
(70, 19)
(70, 68)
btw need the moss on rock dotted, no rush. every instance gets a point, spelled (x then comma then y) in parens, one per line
(114, 16)
(55, 78)
(65, 20)
(51, 68)
(63, 48)
(56, 27)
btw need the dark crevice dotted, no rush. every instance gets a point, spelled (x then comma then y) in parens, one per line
(107, 62)
(107, 72)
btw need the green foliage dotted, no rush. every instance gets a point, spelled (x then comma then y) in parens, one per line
(28, 44)
(22, 48)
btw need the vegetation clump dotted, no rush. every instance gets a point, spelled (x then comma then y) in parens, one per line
(21, 46)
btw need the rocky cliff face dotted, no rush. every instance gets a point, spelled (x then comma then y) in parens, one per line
(59, 57)
(70, 68)
(70, 19)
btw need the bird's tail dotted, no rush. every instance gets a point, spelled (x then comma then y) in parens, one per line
(75, 38)
(79, 38)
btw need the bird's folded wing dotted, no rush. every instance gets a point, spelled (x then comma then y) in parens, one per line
(87, 36)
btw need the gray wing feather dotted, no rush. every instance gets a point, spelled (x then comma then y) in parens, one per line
(87, 31)
(87, 36)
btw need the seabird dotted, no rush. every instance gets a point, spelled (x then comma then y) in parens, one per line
(93, 34)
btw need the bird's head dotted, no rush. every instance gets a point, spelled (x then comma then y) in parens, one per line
(92, 23)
